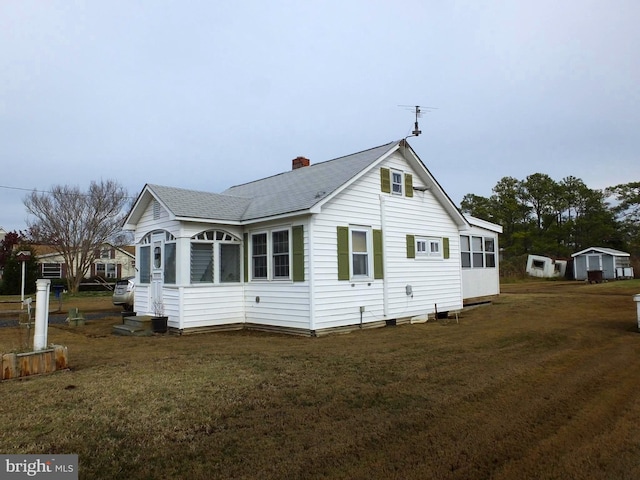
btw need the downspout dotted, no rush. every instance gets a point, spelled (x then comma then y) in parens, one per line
(312, 293)
(385, 259)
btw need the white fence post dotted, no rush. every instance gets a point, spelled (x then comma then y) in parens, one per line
(42, 314)
(637, 299)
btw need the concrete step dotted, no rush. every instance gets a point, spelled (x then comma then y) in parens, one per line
(130, 330)
(140, 321)
(134, 325)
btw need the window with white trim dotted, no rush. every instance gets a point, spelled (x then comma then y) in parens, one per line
(169, 272)
(271, 255)
(106, 270)
(280, 242)
(259, 256)
(208, 246)
(477, 255)
(145, 259)
(396, 182)
(489, 253)
(465, 251)
(429, 247)
(360, 248)
(477, 252)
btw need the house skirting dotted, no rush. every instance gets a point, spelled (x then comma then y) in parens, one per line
(290, 330)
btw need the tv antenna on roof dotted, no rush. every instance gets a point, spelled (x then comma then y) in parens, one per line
(418, 112)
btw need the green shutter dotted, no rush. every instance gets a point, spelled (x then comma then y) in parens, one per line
(385, 180)
(445, 247)
(408, 185)
(343, 253)
(298, 253)
(378, 270)
(245, 238)
(411, 246)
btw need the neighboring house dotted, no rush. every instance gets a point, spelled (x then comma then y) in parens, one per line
(110, 262)
(545, 267)
(479, 260)
(600, 263)
(368, 239)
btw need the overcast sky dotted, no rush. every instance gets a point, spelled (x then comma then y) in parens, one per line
(208, 94)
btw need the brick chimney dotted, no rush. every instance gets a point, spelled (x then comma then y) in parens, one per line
(299, 162)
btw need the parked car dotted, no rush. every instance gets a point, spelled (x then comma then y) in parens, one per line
(123, 293)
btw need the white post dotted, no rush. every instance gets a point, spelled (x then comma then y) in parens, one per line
(22, 287)
(637, 299)
(42, 314)
(23, 256)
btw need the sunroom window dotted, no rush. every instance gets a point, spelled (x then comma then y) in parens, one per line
(477, 252)
(208, 246)
(259, 255)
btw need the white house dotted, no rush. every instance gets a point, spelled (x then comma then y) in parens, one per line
(363, 240)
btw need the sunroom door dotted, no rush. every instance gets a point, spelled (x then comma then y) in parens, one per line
(157, 280)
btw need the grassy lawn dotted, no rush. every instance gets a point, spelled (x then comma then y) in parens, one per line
(542, 384)
(85, 301)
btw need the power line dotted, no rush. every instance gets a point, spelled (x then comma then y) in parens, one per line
(47, 191)
(24, 189)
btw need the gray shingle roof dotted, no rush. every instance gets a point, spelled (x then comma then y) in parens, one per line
(194, 204)
(288, 192)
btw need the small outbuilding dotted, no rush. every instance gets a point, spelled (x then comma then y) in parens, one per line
(600, 263)
(545, 267)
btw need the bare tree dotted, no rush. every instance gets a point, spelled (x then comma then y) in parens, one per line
(77, 223)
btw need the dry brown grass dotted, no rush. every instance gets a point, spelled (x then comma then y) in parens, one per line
(86, 301)
(543, 384)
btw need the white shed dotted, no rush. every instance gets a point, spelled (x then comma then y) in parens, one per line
(545, 267)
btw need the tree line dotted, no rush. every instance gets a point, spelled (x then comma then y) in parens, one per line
(538, 215)
(557, 218)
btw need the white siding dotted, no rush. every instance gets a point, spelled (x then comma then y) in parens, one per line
(212, 305)
(148, 224)
(434, 282)
(282, 303)
(141, 300)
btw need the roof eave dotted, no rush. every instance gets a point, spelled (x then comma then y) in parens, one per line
(219, 221)
(281, 216)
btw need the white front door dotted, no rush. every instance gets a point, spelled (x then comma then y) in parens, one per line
(157, 280)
